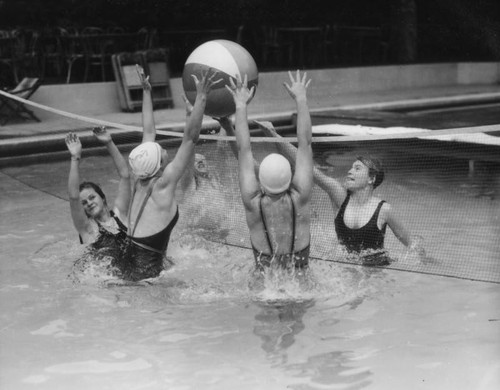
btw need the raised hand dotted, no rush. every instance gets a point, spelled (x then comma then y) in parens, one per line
(74, 145)
(101, 134)
(241, 94)
(298, 86)
(146, 85)
(205, 84)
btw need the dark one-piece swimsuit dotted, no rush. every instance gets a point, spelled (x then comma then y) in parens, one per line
(144, 256)
(367, 241)
(297, 259)
(108, 244)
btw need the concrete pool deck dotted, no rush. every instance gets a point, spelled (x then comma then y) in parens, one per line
(348, 88)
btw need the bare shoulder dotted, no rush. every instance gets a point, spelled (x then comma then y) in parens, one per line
(385, 210)
(251, 200)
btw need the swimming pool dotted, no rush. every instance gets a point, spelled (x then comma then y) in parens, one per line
(200, 326)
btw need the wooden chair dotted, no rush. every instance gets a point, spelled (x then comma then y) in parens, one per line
(12, 109)
(129, 86)
(72, 49)
(97, 55)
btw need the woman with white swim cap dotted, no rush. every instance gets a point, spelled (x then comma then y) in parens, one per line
(277, 203)
(153, 209)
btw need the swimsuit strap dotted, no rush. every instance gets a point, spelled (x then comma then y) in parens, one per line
(265, 225)
(120, 224)
(262, 216)
(377, 211)
(143, 205)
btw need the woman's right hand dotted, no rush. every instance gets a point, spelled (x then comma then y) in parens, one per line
(146, 85)
(74, 145)
(298, 86)
(241, 94)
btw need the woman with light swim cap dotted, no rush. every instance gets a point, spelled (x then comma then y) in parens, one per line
(277, 204)
(362, 217)
(96, 222)
(153, 209)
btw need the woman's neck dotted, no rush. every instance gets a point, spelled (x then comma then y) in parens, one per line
(362, 196)
(104, 216)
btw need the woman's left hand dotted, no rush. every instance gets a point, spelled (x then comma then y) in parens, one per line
(74, 145)
(101, 134)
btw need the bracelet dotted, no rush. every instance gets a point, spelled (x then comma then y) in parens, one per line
(75, 158)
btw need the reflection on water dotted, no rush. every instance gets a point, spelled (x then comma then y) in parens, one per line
(277, 324)
(337, 369)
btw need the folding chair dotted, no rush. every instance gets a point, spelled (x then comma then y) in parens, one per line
(13, 109)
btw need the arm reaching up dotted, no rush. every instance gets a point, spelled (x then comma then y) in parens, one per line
(78, 216)
(302, 179)
(123, 197)
(249, 184)
(185, 152)
(148, 123)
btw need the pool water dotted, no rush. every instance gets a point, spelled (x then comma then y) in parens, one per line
(201, 326)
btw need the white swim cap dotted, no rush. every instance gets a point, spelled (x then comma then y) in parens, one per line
(145, 159)
(275, 174)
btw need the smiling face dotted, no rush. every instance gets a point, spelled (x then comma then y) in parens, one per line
(358, 176)
(92, 203)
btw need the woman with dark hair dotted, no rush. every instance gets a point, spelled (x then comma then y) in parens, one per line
(96, 223)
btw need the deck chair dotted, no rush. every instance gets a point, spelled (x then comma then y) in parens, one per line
(11, 109)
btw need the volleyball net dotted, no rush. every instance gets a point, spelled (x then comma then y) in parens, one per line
(443, 184)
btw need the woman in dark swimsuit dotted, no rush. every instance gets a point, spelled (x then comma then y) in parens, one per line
(153, 209)
(362, 218)
(90, 212)
(101, 227)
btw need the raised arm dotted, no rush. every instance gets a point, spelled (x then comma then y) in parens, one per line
(303, 178)
(123, 197)
(148, 122)
(330, 185)
(185, 152)
(188, 176)
(80, 220)
(228, 128)
(249, 185)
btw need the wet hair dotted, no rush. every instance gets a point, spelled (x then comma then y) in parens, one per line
(95, 187)
(375, 169)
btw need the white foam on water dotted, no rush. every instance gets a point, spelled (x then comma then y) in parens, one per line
(55, 328)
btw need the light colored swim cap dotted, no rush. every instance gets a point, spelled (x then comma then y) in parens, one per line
(145, 159)
(275, 174)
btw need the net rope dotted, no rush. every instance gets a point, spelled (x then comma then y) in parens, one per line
(454, 211)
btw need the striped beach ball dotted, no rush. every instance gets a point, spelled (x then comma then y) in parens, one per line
(229, 59)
